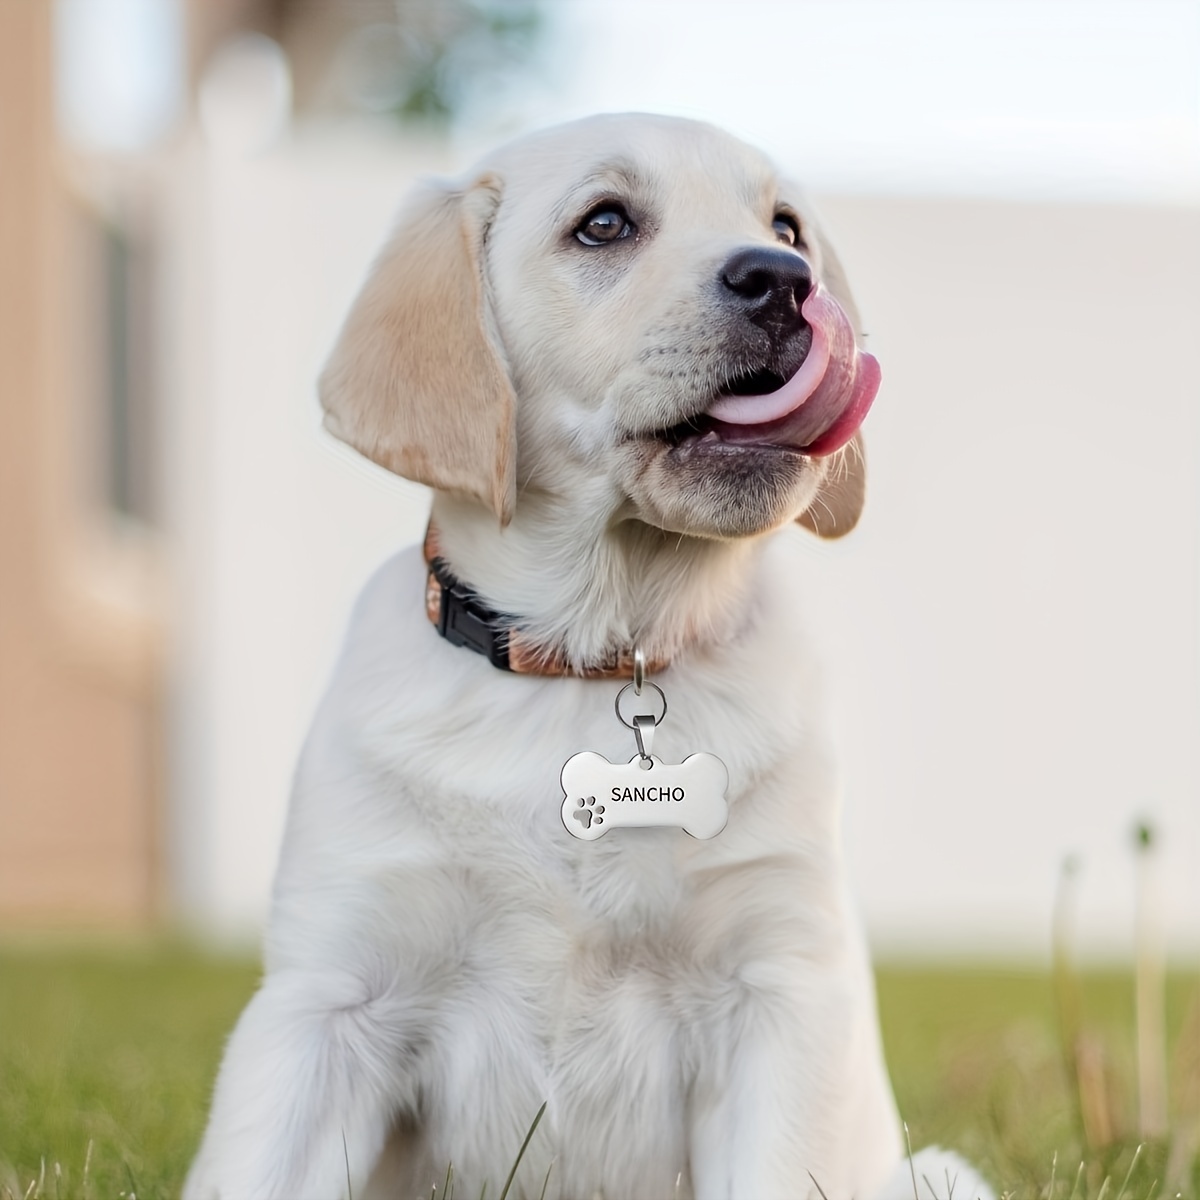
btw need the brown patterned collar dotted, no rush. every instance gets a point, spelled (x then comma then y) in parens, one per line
(460, 615)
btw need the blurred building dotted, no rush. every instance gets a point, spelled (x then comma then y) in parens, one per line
(112, 278)
(81, 601)
(1014, 626)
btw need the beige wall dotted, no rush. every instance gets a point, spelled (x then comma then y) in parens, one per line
(78, 615)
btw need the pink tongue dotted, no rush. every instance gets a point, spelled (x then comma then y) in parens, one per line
(821, 407)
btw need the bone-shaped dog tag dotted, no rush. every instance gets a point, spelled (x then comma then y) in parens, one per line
(601, 795)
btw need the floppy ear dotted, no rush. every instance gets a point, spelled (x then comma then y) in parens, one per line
(416, 381)
(836, 508)
(838, 505)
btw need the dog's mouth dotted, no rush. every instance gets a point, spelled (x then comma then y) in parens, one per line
(760, 382)
(815, 410)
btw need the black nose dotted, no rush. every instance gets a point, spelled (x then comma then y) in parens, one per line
(770, 285)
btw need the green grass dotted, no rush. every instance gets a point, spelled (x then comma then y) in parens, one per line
(978, 1064)
(118, 1048)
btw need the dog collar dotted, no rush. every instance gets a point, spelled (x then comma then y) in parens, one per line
(463, 619)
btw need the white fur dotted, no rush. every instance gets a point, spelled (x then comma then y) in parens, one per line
(443, 957)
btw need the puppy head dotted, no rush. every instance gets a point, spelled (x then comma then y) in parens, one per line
(633, 312)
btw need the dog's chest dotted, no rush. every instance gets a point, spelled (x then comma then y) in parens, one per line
(628, 891)
(580, 1006)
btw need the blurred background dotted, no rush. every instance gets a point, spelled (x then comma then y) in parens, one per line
(190, 193)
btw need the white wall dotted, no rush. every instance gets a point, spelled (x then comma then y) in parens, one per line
(276, 526)
(1016, 620)
(1013, 627)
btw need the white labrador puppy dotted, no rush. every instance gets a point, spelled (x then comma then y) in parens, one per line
(625, 358)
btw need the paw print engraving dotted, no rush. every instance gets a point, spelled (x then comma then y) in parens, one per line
(588, 811)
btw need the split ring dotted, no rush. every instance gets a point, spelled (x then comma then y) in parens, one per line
(661, 695)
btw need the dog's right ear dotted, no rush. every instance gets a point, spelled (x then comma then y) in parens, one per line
(416, 381)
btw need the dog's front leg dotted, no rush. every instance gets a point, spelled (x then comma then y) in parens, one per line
(768, 1110)
(313, 1078)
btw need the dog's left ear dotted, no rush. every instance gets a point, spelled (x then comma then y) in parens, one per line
(417, 381)
(836, 508)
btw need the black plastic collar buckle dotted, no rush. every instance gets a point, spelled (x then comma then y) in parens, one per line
(464, 620)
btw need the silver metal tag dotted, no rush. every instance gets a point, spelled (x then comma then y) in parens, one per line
(601, 795)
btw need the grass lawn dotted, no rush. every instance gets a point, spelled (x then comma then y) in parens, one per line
(118, 1048)
(977, 1063)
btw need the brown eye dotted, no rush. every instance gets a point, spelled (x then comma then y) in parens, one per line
(787, 230)
(603, 225)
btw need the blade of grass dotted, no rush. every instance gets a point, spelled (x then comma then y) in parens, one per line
(1075, 1187)
(546, 1181)
(1150, 971)
(912, 1170)
(521, 1152)
(1129, 1174)
(818, 1186)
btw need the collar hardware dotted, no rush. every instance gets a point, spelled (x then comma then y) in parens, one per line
(463, 619)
